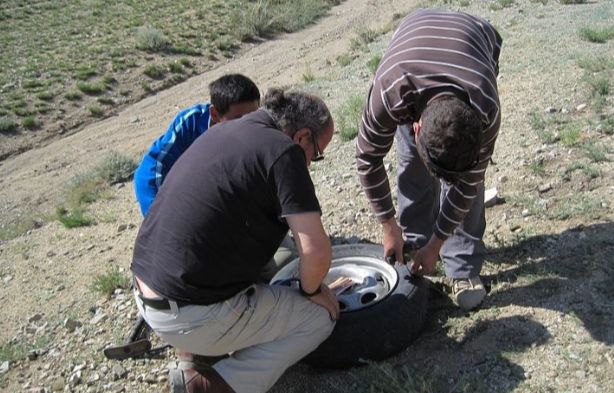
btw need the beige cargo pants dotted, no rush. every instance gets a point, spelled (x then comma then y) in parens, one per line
(265, 328)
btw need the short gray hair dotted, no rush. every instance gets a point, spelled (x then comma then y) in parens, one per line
(295, 110)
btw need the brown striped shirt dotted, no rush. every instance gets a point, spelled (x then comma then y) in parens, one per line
(432, 52)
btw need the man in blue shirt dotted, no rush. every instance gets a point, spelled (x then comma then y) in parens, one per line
(232, 96)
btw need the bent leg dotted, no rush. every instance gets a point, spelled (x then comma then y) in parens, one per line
(268, 328)
(418, 191)
(463, 253)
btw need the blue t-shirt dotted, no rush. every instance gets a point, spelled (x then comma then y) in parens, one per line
(188, 125)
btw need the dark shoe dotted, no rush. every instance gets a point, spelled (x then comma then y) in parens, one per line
(197, 380)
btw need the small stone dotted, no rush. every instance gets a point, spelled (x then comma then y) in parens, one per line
(75, 379)
(581, 107)
(60, 288)
(119, 372)
(4, 367)
(71, 325)
(121, 228)
(57, 385)
(526, 213)
(98, 318)
(50, 254)
(502, 179)
(6, 279)
(35, 317)
(32, 355)
(515, 228)
(544, 188)
(90, 247)
(564, 110)
(550, 109)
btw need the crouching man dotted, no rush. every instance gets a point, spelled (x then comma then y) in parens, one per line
(217, 220)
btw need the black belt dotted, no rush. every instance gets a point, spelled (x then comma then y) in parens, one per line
(165, 304)
(161, 304)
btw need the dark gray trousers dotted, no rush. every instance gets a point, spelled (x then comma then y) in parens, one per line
(419, 197)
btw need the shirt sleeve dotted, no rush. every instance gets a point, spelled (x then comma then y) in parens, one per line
(374, 140)
(291, 182)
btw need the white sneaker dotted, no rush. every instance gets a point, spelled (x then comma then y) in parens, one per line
(468, 293)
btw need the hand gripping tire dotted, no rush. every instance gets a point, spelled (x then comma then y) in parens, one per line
(380, 316)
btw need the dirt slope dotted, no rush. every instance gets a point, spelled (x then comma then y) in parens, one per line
(547, 325)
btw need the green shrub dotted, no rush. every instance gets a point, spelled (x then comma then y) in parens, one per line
(73, 96)
(594, 152)
(96, 111)
(596, 64)
(107, 283)
(151, 39)
(45, 96)
(373, 63)
(73, 219)
(566, 2)
(176, 68)
(85, 73)
(94, 88)
(349, 116)
(344, 59)
(363, 37)
(600, 85)
(571, 134)
(30, 123)
(597, 35)
(7, 125)
(185, 62)
(106, 100)
(154, 72)
(116, 168)
(265, 18)
(32, 84)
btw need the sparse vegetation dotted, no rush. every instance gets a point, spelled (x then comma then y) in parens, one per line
(373, 63)
(89, 187)
(364, 37)
(595, 152)
(264, 18)
(96, 111)
(30, 123)
(570, 134)
(94, 88)
(105, 284)
(348, 117)
(597, 35)
(344, 59)
(151, 39)
(19, 227)
(153, 71)
(73, 96)
(7, 125)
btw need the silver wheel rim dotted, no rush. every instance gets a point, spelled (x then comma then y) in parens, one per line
(373, 278)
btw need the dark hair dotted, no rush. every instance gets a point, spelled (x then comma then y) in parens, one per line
(295, 110)
(449, 140)
(232, 89)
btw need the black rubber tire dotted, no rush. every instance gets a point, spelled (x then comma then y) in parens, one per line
(376, 332)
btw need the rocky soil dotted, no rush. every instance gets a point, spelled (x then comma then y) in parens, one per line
(548, 322)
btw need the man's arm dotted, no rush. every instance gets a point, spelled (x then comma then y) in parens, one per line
(375, 138)
(315, 257)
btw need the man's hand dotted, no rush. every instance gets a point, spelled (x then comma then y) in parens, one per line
(425, 258)
(393, 240)
(328, 300)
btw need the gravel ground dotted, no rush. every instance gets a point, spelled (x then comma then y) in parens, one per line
(547, 324)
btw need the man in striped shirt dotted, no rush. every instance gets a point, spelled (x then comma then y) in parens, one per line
(435, 92)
